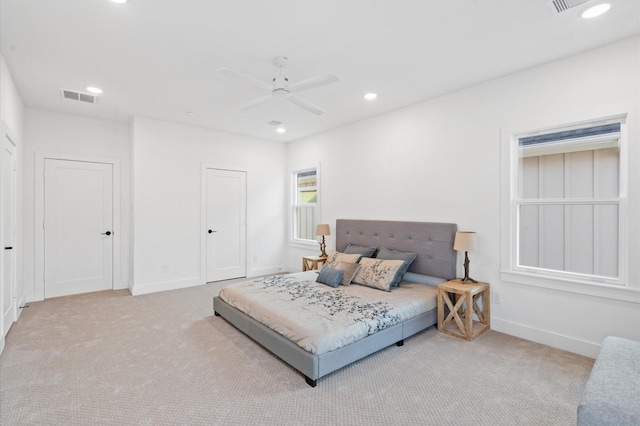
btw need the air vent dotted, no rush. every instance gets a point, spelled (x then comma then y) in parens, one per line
(79, 96)
(274, 123)
(559, 6)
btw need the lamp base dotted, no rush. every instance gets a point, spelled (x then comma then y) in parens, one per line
(466, 278)
(323, 247)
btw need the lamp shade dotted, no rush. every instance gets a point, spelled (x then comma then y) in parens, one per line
(465, 241)
(323, 229)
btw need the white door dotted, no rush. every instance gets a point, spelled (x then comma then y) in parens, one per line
(78, 227)
(9, 228)
(226, 224)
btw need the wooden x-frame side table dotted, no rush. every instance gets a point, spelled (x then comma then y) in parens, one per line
(309, 263)
(460, 322)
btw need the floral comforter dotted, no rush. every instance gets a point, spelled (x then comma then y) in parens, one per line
(320, 318)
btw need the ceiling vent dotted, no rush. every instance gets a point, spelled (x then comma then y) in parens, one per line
(79, 96)
(274, 123)
(559, 6)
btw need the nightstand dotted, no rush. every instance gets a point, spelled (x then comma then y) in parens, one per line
(309, 263)
(459, 322)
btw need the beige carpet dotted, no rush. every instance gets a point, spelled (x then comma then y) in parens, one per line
(164, 359)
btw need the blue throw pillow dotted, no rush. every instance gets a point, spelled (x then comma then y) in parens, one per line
(331, 277)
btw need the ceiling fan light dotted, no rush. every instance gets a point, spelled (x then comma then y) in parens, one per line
(597, 10)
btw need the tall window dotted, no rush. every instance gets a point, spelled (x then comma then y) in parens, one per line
(305, 204)
(566, 204)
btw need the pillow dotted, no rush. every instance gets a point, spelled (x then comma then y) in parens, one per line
(331, 277)
(377, 273)
(422, 279)
(350, 270)
(405, 256)
(364, 251)
(335, 257)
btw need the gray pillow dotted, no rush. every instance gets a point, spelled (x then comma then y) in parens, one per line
(364, 251)
(350, 270)
(331, 277)
(406, 256)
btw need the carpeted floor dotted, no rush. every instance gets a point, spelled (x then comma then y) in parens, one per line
(165, 359)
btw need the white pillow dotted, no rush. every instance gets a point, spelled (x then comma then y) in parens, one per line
(377, 273)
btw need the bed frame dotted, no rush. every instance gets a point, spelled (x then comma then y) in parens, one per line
(434, 244)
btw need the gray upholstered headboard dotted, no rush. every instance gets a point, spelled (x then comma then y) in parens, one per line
(432, 241)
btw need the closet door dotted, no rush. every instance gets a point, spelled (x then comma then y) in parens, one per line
(226, 224)
(78, 227)
(8, 283)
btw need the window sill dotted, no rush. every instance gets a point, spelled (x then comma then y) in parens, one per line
(305, 244)
(607, 291)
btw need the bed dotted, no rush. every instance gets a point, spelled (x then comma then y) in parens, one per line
(435, 262)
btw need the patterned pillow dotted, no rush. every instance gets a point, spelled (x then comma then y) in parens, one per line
(350, 270)
(331, 277)
(335, 257)
(377, 273)
(406, 256)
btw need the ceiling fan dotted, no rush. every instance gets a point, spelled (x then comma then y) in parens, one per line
(280, 88)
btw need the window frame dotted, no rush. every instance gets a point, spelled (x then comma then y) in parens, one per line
(294, 238)
(616, 288)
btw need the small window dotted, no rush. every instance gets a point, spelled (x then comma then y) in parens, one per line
(305, 204)
(566, 203)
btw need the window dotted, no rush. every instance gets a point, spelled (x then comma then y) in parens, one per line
(305, 205)
(567, 212)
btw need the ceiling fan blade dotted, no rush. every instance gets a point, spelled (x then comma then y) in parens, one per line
(249, 79)
(314, 109)
(313, 82)
(254, 103)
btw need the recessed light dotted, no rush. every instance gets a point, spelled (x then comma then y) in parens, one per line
(370, 96)
(94, 90)
(596, 10)
(281, 130)
(119, 1)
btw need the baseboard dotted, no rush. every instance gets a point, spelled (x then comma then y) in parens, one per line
(137, 290)
(266, 271)
(292, 269)
(567, 343)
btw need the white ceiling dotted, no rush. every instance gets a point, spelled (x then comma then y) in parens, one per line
(160, 58)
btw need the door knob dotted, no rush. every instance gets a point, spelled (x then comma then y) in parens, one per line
(8, 248)
(211, 232)
(106, 233)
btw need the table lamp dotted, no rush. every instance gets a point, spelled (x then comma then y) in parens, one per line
(323, 229)
(465, 241)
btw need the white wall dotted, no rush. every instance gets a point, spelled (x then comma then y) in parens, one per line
(12, 114)
(440, 161)
(168, 159)
(11, 105)
(60, 133)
